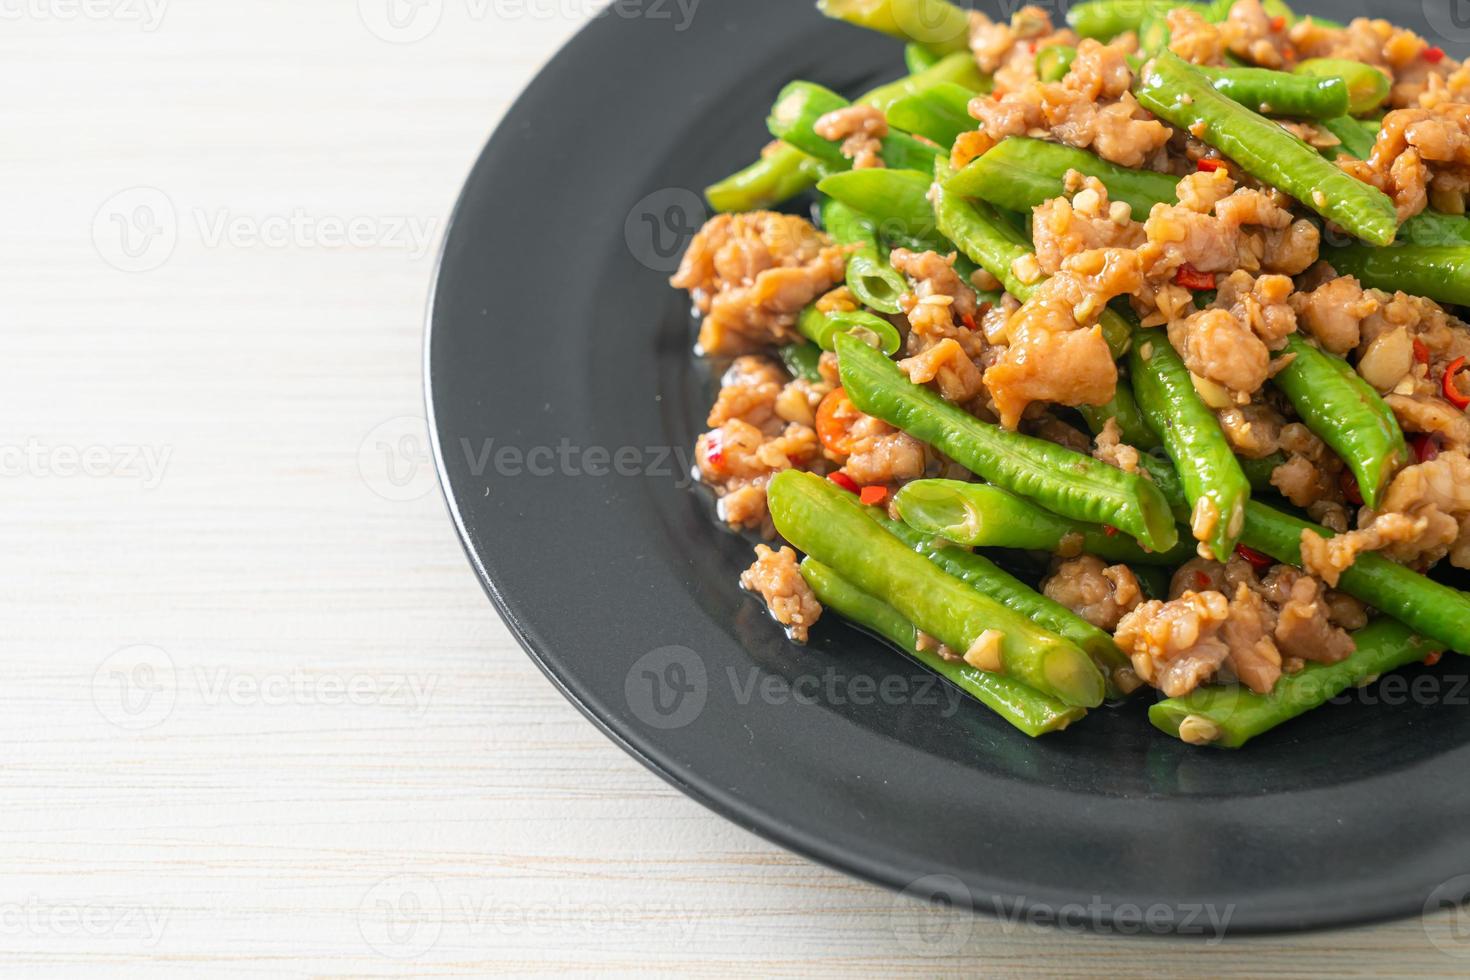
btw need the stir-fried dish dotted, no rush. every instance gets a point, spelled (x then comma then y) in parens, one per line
(1116, 355)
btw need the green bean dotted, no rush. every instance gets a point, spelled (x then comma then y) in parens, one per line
(1428, 607)
(940, 114)
(1054, 61)
(1356, 141)
(1180, 95)
(1349, 417)
(1028, 710)
(801, 360)
(872, 280)
(776, 177)
(1440, 272)
(916, 57)
(1153, 32)
(1258, 472)
(1106, 19)
(981, 573)
(896, 201)
(1228, 717)
(980, 231)
(1213, 482)
(1020, 173)
(787, 172)
(1063, 481)
(1279, 93)
(1124, 410)
(980, 516)
(823, 329)
(801, 104)
(1436, 228)
(1367, 86)
(937, 24)
(830, 525)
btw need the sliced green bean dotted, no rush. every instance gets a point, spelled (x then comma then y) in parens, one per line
(1228, 717)
(981, 573)
(787, 172)
(980, 231)
(917, 57)
(1177, 93)
(1429, 608)
(937, 24)
(1436, 228)
(1349, 417)
(1258, 472)
(940, 114)
(1054, 61)
(872, 280)
(801, 361)
(830, 525)
(1440, 272)
(1063, 481)
(1028, 710)
(1367, 86)
(1123, 409)
(1213, 482)
(896, 201)
(823, 329)
(977, 515)
(1020, 173)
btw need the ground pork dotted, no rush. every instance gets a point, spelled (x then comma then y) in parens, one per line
(1195, 39)
(1398, 52)
(1287, 616)
(1099, 593)
(1007, 50)
(1176, 645)
(751, 274)
(1334, 312)
(1428, 413)
(1328, 558)
(940, 305)
(1230, 342)
(1251, 33)
(869, 450)
(1091, 108)
(949, 367)
(1422, 519)
(1254, 430)
(777, 578)
(1420, 154)
(761, 423)
(1111, 448)
(1053, 354)
(1087, 220)
(861, 129)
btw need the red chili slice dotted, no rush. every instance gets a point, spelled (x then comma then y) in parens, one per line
(1433, 658)
(873, 495)
(1421, 353)
(1258, 561)
(1434, 55)
(1208, 165)
(1278, 24)
(1110, 531)
(1350, 488)
(714, 450)
(843, 480)
(1191, 278)
(969, 321)
(1456, 398)
(1201, 580)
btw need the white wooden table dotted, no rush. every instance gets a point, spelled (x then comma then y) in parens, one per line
(257, 716)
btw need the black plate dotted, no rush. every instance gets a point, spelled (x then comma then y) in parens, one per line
(565, 405)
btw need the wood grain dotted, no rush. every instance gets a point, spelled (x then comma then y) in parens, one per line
(258, 718)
